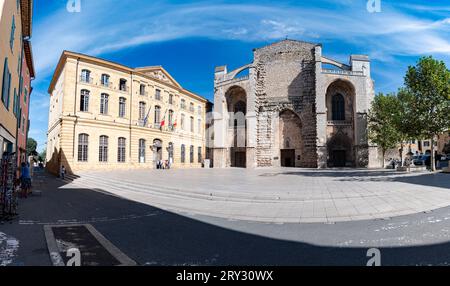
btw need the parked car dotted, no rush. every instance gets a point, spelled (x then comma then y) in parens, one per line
(421, 160)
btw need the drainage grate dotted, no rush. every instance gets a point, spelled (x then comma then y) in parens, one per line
(94, 248)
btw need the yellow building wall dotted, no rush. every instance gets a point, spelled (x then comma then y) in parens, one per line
(9, 9)
(66, 121)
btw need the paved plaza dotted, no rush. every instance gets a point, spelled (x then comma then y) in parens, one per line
(280, 195)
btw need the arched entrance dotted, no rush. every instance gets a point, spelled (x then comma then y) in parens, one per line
(157, 151)
(290, 139)
(237, 126)
(340, 102)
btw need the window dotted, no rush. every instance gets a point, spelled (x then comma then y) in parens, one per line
(13, 31)
(121, 146)
(191, 107)
(191, 154)
(142, 89)
(25, 95)
(192, 124)
(16, 104)
(426, 143)
(122, 106)
(199, 154)
(83, 142)
(84, 100)
(170, 98)
(182, 121)
(103, 149)
(171, 151)
(170, 121)
(199, 110)
(141, 150)
(104, 99)
(123, 85)
(183, 104)
(141, 110)
(105, 80)
(183, 153)
(6, 84)
(157, 115)
(158, 94)
(85, 76)
(199, 126)
(338, 107)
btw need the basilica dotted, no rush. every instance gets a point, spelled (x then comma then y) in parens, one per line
(293, 107)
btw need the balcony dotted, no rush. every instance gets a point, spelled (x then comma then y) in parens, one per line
(339, 122)
(84, 79)
(343, 72)
(124, 88)
(106, 84)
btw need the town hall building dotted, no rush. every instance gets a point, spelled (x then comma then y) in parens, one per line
(293, 107)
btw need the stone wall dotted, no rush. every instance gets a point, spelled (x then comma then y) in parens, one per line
(285, 79)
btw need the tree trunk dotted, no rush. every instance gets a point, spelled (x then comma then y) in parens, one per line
(383, 152)
(433, 166)
(401, 154)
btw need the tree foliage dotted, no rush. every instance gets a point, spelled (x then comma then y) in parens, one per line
(31, 146)
(383, 118)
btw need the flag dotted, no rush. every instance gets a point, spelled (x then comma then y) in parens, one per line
(146, 117)
(164, 119)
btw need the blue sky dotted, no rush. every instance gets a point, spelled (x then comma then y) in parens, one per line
(190, 38)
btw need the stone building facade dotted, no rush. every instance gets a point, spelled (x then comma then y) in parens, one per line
(16, 74)
(293, 108)
(104, 115)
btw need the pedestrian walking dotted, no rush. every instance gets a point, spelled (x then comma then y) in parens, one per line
(62, 172)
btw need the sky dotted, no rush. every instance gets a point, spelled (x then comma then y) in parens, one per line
(190, 38)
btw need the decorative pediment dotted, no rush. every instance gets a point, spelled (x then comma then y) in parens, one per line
(159, 73)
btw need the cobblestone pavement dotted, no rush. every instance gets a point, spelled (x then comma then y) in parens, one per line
(285, 195)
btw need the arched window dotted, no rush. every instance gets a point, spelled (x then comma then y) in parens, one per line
(83, 142)
(191, 154)
(338, 107)
(121, 146)
(104, 98)
(183, 153)
(86, 76)
(105, 80)
(142, 89)
(123, 84)
(141, 110)
(103, 149)
(84, 100)
(141, 150)
(122, 107)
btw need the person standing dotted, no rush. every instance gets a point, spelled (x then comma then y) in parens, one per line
(25, 178)
(62, 172)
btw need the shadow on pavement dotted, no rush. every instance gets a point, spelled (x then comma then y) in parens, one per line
(152, 236)
(440, 180)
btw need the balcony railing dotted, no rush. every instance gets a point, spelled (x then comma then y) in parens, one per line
(124, 88)
(339, 122)
(86, 79)
(343, 72)
(106, 84)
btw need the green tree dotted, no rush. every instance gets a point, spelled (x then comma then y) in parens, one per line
(427, 86)
(31, 147)
(43, 156)
(382, 122)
